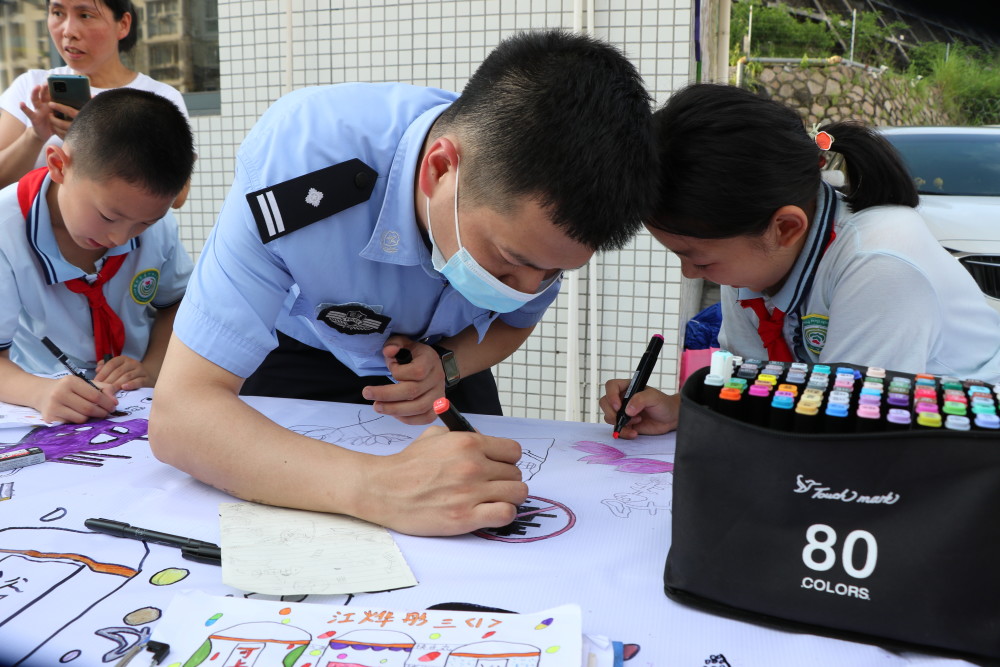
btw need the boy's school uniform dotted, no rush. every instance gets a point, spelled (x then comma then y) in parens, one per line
(882, 292)
(318, 237)
(35, 302)
(20, 91)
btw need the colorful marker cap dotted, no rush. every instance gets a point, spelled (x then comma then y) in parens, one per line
(957, 423)
(899, 417)
(782, 401)
(954, 408)
(836, 409)
(898, 400)
(869, 412)
(929, 419)
(991, 422)
(730, 394)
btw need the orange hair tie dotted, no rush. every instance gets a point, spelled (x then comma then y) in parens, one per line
(824, 140)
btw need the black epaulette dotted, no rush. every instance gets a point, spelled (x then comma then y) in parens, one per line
(283, 208)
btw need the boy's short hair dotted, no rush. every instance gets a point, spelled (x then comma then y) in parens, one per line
(564, 119)
(136, 136)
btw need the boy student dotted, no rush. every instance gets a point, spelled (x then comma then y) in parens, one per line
(368, 219)
(83, 261)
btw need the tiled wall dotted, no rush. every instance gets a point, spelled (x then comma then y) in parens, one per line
(268, 47)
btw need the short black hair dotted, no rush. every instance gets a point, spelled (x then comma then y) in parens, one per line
(136, 136)
(730, 158)
(564, 119)
(118, 9)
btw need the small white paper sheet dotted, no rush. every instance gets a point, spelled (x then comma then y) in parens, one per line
(200, 628)
(280, 551)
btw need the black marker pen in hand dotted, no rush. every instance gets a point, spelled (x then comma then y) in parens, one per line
(64, 360)
(450, 415)
(639, 379)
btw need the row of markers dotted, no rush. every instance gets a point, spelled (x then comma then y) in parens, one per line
(814, 398)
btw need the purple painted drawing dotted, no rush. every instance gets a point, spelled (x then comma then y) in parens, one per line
(608, 455)
(78, 444)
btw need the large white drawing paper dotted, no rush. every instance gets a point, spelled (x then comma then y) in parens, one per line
(213, 630)
(281, 551)
(594, 532)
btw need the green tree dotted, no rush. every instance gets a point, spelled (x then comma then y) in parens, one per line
(777, 33)
(871, 39)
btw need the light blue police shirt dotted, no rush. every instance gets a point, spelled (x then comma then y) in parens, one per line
(368, 262)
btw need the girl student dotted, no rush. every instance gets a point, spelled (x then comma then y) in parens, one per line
(806, 273)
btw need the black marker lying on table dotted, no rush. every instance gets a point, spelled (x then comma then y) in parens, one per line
(191, 549)
(450, 415)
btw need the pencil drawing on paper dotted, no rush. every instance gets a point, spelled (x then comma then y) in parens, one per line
(360, 434)
(646, 496)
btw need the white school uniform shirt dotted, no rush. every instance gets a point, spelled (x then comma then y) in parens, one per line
(885, 293)
(20, 91)
(366, 266)
(34, 302)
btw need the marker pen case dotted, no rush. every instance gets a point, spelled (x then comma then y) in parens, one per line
(889, 537)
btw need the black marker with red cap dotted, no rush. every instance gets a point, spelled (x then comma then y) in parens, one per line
(450, 415)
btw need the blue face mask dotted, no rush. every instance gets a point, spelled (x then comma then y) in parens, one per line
(476, 284)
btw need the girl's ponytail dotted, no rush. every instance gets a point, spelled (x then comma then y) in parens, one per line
(876, 174)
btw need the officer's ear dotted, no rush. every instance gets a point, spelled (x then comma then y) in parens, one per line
(440, 158)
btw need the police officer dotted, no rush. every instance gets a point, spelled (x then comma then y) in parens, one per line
(375, 224)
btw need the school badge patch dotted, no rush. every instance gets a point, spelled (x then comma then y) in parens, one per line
(353, 319)
(144, 286)
(814, 328)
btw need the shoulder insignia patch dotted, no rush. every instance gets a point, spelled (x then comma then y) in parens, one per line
(283, 208)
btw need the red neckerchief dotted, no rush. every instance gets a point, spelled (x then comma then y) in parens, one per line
(109, 332)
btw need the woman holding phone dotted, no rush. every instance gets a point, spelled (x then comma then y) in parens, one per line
(90, 35)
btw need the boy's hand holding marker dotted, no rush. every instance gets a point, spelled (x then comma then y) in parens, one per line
(72, 399)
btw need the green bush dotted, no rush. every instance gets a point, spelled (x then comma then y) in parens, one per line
(968, 78)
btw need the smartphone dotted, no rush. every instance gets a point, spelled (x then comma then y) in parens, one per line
(72, 90)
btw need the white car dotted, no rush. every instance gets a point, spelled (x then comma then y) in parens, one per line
(957, 173)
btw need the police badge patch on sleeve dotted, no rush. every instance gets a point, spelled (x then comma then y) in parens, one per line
(814, 328)
(353, 319)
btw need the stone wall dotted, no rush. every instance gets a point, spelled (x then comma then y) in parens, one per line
(840, 92)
